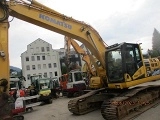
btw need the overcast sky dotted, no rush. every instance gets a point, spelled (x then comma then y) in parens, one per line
(116, 21)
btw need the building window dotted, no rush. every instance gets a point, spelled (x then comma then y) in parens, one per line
(27, 67)
(40, 75)
(61, 53)
(48, 49)
(49, 65)
(27, 58)
(32, 58)
(42, 49)
(50, 74)
(39, 66)
(33, 67)
(44, 66)
(48, 57)
(45, 74)
(32, 50)
(55, 73)
(37, 49)
(38, 58)
(43, 58)
(54, 57)
(28, 77)
(54, 64)
(76, 55)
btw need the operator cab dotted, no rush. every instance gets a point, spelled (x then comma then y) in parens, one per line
(55, 83)
(76, 83)
(123, 60)
(76, 78)
(40, 83)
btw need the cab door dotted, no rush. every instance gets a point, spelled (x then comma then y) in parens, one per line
(132, 59)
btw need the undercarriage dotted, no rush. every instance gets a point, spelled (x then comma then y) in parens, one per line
(116, 104)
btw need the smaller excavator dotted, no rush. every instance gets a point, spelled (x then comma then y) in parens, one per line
(42, 87)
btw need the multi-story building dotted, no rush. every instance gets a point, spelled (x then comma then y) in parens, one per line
(40, 59)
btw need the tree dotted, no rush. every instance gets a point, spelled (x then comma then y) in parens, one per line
(64, 70)
(154, 53)
(156, 41)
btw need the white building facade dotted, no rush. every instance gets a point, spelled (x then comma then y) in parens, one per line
(40, 59)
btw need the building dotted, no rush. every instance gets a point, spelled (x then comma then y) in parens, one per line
(40, 59)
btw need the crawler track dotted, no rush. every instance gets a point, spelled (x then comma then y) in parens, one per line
(87, 102)
(131, 103)
(114, 105)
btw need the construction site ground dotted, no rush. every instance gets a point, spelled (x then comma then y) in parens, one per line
(58, 110)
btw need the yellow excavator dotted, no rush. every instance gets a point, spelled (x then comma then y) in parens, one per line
(122, 65)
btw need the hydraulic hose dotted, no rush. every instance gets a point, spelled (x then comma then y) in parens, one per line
(4, 10)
